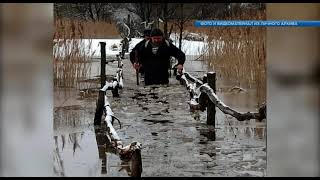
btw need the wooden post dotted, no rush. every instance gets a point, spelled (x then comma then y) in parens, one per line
(101, 143)
(99, 108)
(119, 61)
(114, 90)
(170, 66)
(100, 103)
(205, 79)
(136, 164)
(103, 64)
(211, 111)
(203, 99)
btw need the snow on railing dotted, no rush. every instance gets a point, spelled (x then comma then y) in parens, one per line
(133, 150)
(198, 87)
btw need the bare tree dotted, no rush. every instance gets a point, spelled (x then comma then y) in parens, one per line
(211, 10)
(83, 11)
(94, 11)
(143, 10)
(184, 15)
(168, 13)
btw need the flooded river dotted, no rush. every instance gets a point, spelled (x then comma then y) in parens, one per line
(175, 142)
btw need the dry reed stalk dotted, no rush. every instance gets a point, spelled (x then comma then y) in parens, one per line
(238, 53)
(71, 58)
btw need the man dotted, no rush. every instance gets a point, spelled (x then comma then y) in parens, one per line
(146, 36)
(155, 55)
(125, 46)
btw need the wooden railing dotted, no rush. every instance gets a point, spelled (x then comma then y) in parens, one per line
(203, 95)
(133, 150)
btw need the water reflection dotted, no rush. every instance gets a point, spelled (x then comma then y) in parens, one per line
(132, 167)
(76, 153)
(88, 153)
(249, 131)
(182, 151)
(209, 132)
(69, 116)
(58, 163)
(260, 132)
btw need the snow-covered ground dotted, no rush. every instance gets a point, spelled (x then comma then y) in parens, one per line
(92, 46)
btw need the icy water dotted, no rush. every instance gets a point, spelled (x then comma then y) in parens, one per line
(175, 141)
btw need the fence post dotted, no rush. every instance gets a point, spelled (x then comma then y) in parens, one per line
(100, 103)
(211, 111)
(115, 92)
(102, 149)
(136, 164)
(103, 64)
(119, 60)
(205, 79)
(203, 99)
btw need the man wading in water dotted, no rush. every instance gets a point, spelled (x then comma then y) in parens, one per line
(154, 55)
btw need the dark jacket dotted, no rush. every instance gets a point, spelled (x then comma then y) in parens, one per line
(132, 53)
(156, 65)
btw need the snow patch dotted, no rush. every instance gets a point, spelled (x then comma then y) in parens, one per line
(91, 47)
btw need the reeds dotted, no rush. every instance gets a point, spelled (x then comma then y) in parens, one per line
(71, 58)
(89, 29)
(238, 54)
(72, 47)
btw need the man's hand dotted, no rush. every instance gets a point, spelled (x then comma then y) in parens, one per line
(136, 66)
(179, 68)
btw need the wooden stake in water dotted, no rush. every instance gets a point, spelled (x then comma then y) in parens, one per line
(100, 103)
(103, 64)
(211, 111)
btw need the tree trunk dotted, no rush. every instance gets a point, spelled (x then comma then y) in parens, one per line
(171, 28)
(165, 29)
(92, 16)
(181, 26)
(129, 24)
(180, 37)
(165, 19)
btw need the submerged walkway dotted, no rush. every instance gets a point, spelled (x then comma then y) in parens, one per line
(175, 142)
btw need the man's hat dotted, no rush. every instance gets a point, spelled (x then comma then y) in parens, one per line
(146, 32)
(156, 32)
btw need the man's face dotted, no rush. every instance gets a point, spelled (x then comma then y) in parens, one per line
(156, 40)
